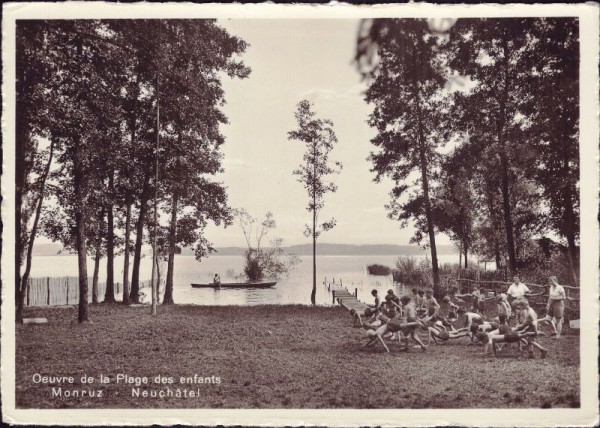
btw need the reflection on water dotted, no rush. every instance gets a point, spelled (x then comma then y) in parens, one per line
(295, 289)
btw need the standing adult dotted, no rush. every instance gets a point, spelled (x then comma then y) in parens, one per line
(517, 290)
(556, 304)
(217, 280)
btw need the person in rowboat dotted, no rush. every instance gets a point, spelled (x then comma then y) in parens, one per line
(217, 280)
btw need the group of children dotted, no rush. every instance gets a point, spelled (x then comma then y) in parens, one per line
(400, 317)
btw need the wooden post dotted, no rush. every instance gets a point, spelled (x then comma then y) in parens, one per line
(341, 282)
(48, 288)
(68, 284)
(333, 297)
(356, 292)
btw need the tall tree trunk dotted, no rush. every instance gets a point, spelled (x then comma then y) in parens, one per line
(19, 184)
(155, 221)
(21, 136)
(569, 232)
(313, 293)
(82, 266)
(40, 202)
(493, 220)
(80, 190)
(126, 255)
(129, 196)
(80, 226)
(497, 255)
(573, 258)
(134, 295)
(466, 255)
(109, 295)
(157, 281)
(428, 214)
(168, 297)
(504, 162)
(508, 223)
(417, 67)
(97, 258)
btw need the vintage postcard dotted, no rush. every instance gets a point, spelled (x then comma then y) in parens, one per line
(274, 215)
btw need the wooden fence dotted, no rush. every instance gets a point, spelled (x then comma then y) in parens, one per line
(538, 297)
(52, 291)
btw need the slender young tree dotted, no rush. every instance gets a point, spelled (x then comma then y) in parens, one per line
(319, 137)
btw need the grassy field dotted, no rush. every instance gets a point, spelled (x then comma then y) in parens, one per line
(272, 357)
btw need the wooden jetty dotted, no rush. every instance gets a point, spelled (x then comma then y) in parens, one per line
(345, 298)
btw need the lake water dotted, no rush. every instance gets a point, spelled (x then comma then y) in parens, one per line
(295, 289)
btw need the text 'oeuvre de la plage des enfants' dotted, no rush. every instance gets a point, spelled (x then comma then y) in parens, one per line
(158, 386)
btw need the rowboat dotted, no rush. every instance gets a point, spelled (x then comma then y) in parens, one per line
(257, 284)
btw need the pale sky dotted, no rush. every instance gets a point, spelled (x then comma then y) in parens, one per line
(292, 60)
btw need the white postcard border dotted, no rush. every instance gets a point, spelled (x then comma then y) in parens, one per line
(587, 415)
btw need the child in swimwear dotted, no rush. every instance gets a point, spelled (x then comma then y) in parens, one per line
(529, 324)
(504, 309)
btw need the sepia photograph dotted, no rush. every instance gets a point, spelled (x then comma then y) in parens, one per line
(368, 211)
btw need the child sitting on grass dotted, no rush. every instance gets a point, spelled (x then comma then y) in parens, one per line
(372, 309)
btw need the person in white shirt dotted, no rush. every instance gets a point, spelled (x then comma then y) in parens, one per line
(517, 290)
(556, 304)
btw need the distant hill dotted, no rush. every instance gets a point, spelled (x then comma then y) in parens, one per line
(49, 250)
(373, 249)
(300, 250)
(345, 250)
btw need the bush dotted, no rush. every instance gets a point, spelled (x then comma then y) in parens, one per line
(253, 268)
(376, 269)
(269, 263)
(410, 272)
